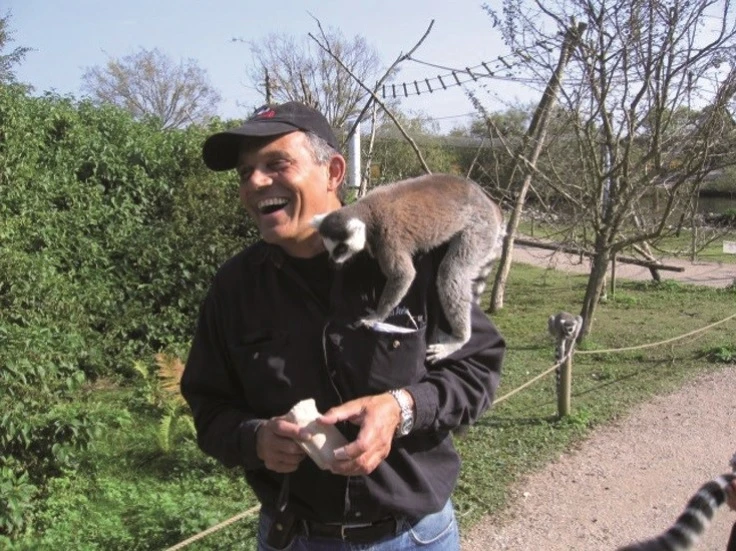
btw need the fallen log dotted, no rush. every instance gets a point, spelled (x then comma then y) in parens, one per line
(572, 250)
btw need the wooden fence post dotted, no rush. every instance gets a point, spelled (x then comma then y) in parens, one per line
(564, 387)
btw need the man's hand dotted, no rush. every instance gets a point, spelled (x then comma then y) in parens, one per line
(276, 445)
(377, 417)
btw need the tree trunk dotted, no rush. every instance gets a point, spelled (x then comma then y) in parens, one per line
(507, 252)
(537, 133)
(596, 282)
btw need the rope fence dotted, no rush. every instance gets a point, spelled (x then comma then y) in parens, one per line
(215, 528)
(528, 383)
(563, 366)
(659, 343)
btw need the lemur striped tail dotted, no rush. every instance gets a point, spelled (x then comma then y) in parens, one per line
(693, 522)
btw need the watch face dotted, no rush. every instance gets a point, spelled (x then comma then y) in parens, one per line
(407, 422)
(406, 425)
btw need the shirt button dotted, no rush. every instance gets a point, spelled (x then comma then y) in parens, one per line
(358, 514)
(395, 344)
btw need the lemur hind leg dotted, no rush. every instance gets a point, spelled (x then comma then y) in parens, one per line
(458, 279)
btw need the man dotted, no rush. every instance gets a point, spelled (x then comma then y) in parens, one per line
(279, 325)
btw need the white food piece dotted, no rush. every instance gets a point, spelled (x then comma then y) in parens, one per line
(325, 439)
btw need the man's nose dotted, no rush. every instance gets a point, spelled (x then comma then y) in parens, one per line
(258, 178)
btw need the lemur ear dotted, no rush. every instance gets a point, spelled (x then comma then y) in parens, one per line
(317, 220)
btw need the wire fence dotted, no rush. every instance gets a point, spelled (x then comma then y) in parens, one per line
(564, 366)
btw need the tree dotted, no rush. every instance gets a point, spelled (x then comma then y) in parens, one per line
(149, 83)
(393, 156)
(500, 134)
(9, 60)
(638, 64)
(287, 69)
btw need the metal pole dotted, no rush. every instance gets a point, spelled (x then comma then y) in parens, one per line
(354, 158)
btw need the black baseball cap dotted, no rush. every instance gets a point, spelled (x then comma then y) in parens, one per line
(220, 151)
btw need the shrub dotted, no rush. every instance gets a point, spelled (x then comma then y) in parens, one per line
(111, 230)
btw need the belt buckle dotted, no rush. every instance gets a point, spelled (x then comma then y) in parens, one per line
(343, 527)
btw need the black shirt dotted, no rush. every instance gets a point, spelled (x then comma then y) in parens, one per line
(266, 339)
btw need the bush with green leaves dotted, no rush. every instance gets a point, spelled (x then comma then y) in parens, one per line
(111, 231)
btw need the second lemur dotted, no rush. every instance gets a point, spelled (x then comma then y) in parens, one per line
(564, 328)
(694, 520)
(395, 221)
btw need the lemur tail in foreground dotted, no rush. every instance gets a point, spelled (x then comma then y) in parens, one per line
(692, 523)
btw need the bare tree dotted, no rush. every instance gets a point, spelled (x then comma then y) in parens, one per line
(529, 151)
(638, 65)
(290, 69)
(9, 60)
(149, 83)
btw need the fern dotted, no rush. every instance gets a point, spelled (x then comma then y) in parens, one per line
(170, 371)
(163, 391)
(166, 432)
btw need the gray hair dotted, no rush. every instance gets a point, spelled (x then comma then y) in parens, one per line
(322, 152)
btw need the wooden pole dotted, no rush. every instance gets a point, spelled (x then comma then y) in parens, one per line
(564, 389)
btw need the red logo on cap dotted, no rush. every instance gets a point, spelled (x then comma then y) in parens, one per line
(264, 113)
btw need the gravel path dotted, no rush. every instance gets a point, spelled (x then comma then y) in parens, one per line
(631, 479)
(713, 274)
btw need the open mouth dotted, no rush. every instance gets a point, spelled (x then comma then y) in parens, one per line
(269, 206)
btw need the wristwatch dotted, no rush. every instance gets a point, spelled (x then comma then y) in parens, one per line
(407, 412)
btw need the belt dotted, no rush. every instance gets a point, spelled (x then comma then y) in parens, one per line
(354, 533)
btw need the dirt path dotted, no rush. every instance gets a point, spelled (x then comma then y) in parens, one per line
(630, 480)
(697, 273)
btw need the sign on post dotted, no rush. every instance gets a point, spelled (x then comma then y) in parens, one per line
(729, 247)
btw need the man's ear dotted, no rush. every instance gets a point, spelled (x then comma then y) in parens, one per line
(337, 168)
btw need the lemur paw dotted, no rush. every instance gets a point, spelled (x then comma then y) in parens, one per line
(371, 319)
(436, 352)
(446, 344)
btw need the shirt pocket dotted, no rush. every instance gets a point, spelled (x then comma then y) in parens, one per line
(370, 361)
(260, 362)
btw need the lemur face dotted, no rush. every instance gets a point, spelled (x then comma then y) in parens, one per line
(343, 239)
(569, 327)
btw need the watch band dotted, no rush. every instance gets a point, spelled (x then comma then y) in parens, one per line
(406, 422)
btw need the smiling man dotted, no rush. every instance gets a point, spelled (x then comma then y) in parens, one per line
(279, 326)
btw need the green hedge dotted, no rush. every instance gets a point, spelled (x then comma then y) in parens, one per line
(110, 231)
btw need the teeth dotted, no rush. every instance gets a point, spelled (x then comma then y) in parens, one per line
(274, 202)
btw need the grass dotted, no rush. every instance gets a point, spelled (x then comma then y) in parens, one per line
(523, 433)
(129, 495)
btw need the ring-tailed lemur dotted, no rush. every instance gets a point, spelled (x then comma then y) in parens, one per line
(395, 221)
(565, 328)
(694, 520)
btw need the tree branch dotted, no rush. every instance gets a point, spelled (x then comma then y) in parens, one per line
(328, 50)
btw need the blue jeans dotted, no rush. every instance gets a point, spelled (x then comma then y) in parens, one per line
(435, 532)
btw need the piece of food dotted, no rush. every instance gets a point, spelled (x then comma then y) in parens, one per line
(325, 439)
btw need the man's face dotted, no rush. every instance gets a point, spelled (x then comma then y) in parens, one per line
(282, 187)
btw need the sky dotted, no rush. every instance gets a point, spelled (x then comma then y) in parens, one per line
(69, 36)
